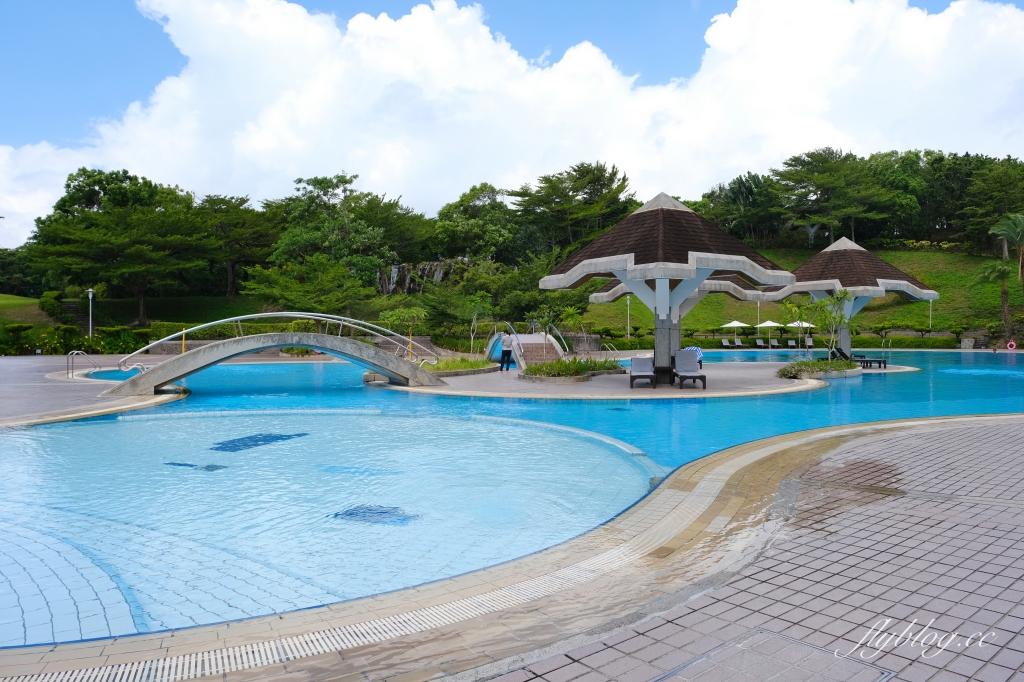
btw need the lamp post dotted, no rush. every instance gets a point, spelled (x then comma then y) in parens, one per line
(90, 312)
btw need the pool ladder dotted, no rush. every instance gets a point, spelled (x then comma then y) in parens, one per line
(69, 366)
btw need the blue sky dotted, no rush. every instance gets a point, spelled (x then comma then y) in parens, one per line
(428, 105)
(67, 63)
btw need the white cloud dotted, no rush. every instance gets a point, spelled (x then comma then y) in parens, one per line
(430, 103)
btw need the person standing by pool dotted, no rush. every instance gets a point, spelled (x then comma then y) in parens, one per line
(506, 352)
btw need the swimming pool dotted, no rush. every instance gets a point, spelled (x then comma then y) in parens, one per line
(276, 487)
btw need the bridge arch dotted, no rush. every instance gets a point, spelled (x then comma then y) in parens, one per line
(395, 368)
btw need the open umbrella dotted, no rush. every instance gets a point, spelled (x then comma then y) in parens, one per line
(734, 325)
(768, 324)
(802, 327)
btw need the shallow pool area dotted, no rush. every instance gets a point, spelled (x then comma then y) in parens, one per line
(275, 487)
(144, 523)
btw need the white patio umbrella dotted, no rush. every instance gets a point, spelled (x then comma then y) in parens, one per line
(768, 324)
(802, 328)
(734, 325)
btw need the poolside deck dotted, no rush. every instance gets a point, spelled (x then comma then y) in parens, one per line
(725, 379)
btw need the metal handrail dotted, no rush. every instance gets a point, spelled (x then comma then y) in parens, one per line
(361, 325)
(609, 347)
(69, 364)
(564, 344)
(515, 334)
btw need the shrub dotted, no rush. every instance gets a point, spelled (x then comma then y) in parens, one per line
(458, 343)
(904, 342)
(574, 367)
(794, 369)
(49, 303)
(455, 364)
(632, 344)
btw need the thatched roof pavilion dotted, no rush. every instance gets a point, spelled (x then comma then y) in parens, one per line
(662, 253)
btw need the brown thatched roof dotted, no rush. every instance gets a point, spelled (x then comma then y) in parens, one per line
(852, 266)
(664, 231)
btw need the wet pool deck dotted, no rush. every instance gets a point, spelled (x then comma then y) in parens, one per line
(758, 562)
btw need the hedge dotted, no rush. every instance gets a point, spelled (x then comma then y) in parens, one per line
(228, 331)
(905, 342)
(49, 303)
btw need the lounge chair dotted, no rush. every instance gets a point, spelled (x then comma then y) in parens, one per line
(760, 344)
(642, 368)
(739, 344)
(725, 343)
(774, 344)
(838, 353)
(700, 354)
(687, 368)
(791, 344)
(808, 342)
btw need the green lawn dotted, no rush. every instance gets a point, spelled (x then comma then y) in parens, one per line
(21, 310)
(947, 273)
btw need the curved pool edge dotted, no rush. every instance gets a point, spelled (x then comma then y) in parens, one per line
(118, 405)
(690, 499)
(799, 385)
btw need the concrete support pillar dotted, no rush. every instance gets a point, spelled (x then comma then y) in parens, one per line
(844, 339)
(666, 342)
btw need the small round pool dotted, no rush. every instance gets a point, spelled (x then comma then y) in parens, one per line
(143, 523)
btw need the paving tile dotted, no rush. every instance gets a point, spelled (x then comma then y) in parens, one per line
(548, 664)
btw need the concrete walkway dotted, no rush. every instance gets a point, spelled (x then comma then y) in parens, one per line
(725, 379)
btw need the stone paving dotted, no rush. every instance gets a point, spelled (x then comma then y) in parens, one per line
(904, 535)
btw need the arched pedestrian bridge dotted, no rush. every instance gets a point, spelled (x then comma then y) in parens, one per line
(396, 367)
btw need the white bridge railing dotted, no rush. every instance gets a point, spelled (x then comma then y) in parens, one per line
(417, 352)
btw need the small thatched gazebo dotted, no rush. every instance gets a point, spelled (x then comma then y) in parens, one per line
(663, 253)
(844, 265)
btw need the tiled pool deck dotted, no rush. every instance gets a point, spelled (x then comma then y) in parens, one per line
(757, 562)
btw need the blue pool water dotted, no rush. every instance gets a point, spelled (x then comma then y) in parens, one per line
(276, 487)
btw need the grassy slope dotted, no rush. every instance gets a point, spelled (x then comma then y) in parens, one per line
(947, 273)
(20, 310)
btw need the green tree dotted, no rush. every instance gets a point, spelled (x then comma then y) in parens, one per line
(133, 234)
(1011, 230)
(327, 216)
(748, 207)
(996, 191)
(826, 188)
(243, 235)
(477, 225)
(17, 276)
(316, 285)
(568, 209)
(998, 271)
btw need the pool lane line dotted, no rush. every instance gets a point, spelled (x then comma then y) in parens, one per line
(338, 639)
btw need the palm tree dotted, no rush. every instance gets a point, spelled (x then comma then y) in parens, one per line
(998, 271)
(1011, 230)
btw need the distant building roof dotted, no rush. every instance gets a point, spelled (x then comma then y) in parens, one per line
(852, 266)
